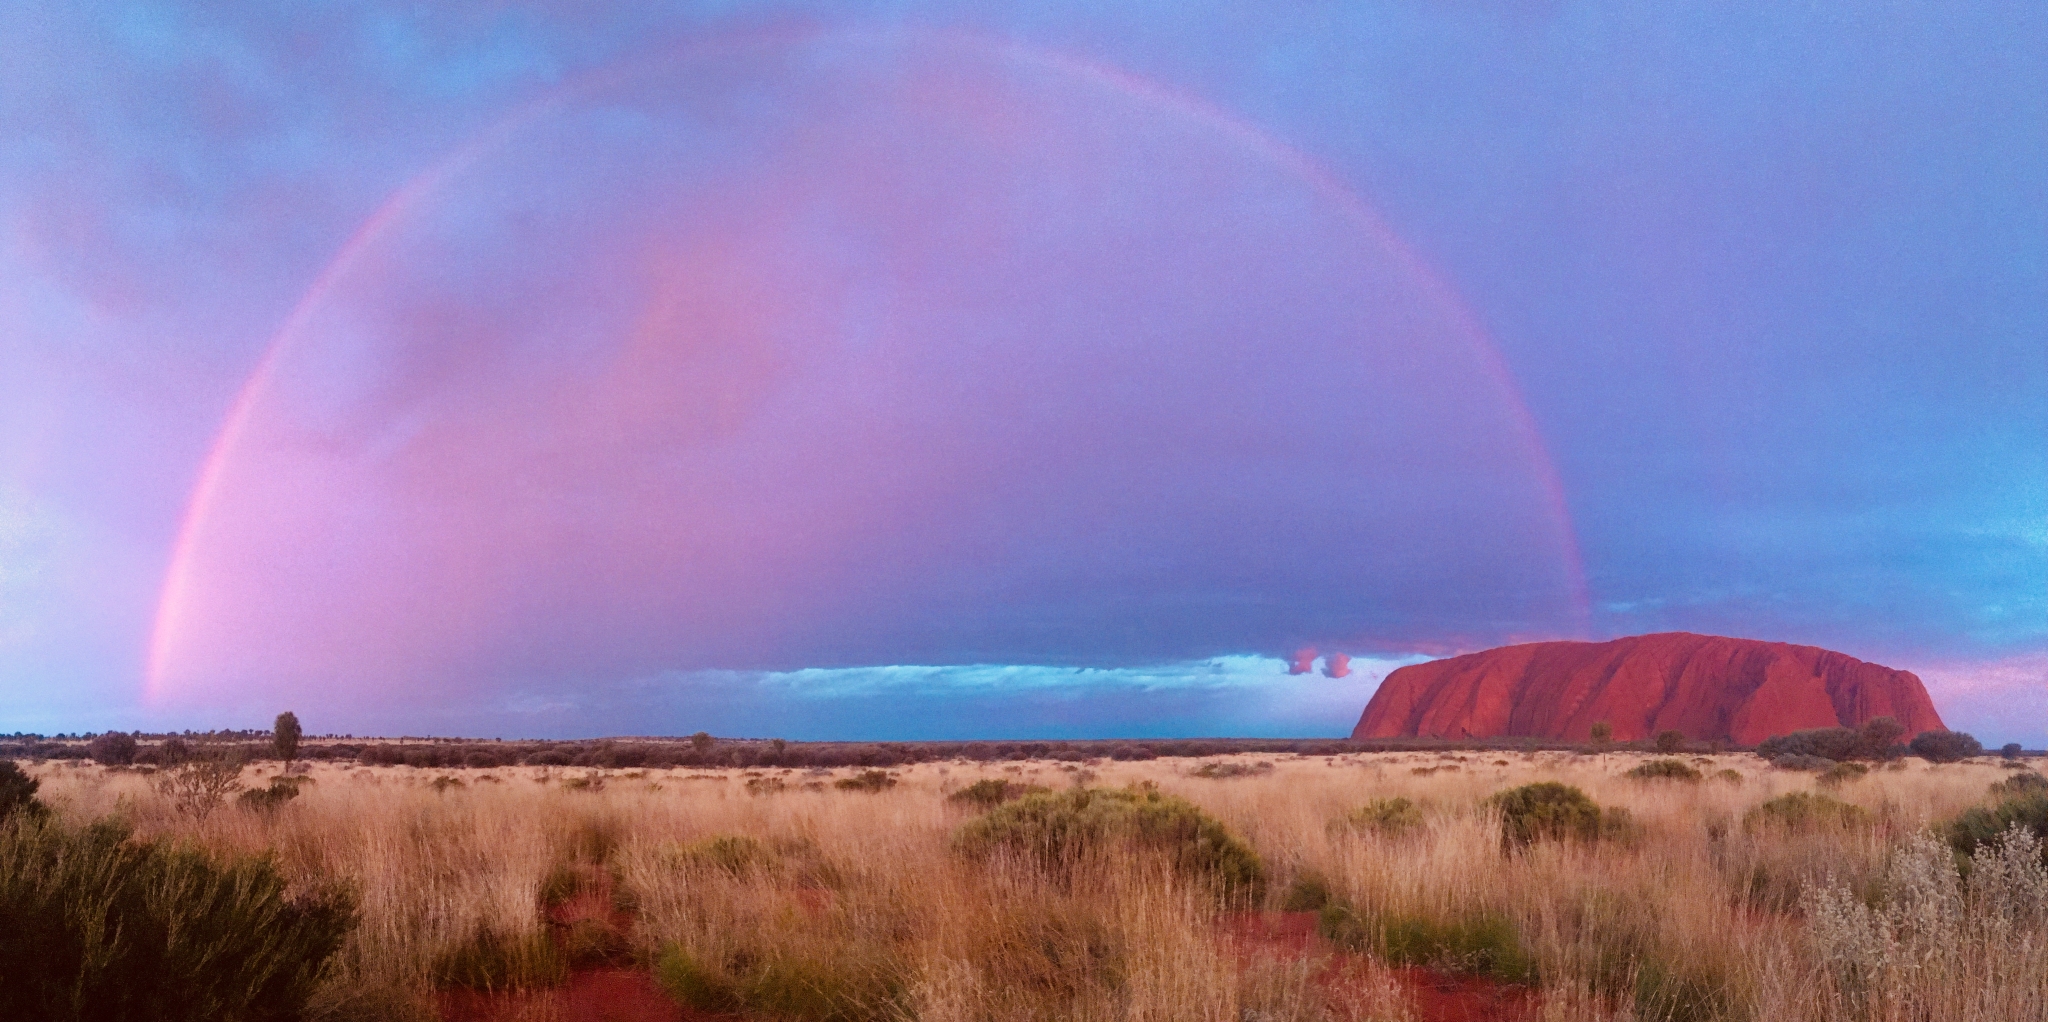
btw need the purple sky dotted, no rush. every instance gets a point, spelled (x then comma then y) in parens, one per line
(940, 370)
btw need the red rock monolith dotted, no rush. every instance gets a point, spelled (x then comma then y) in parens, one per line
(1710, 687)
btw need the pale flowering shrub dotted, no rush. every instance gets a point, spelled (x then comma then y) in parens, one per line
(1943, 942)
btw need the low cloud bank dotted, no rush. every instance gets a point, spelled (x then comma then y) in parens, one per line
(1235, 696)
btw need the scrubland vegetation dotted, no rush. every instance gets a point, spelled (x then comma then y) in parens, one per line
(1616, 886)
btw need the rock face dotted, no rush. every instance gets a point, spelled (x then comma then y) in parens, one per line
(1709, 687)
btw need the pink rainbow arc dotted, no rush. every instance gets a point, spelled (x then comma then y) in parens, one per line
(171, 603)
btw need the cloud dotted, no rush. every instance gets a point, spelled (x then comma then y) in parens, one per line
(1337, 665)
(1998, 700)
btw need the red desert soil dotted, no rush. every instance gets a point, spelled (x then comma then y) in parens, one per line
(1709, 687)
(1435, 997)
(601, 994)
(629, 995)
(591, 995)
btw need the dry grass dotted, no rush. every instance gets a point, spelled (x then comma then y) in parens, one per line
(856, 904)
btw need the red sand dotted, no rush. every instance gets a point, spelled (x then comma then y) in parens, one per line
(592, 995)
(630, 995)
(1434, 996)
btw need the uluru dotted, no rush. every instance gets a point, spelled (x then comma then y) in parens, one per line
(1710, 687)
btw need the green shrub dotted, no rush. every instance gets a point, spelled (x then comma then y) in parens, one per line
(1308, 893)
(824, 990)
(2020, 784)
(562, 883)
(1057, 828)
(691, 983)
(1550, 810)
(490, 960)
(1842, 773)
(866, 780)
(270, 799)
(590, 942)
(1388, 817)
(1979, 825)
(1218, 770)
(732, 853)
(1804, 812)
(993, 791)
(1670, 741)
(99, 927)
(1484, 944)
(806, 989)
(1668, 995)
(1945, 746)
(1876, 739)
(1799, 761)
(17, 792)
(1665, 770)
(1730, 776)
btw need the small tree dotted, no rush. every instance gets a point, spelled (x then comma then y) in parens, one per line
(1670, 741)
(112, 749)
(203, 782)
(2010, 750)
(284, 736)
(701, 741)
(1601, 734)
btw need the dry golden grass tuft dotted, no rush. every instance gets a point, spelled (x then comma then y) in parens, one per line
(803, 900)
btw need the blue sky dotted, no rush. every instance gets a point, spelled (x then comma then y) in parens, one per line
(1055, 352)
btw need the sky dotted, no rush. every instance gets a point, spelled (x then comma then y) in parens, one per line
(936, 370)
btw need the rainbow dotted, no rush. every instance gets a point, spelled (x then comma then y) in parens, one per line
(174, 604)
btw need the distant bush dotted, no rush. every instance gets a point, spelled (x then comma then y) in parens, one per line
(1220, 770)
(2010, 750)
(1057, 828)
(548, 759)
(1484, 944)
(1842, 773)
(1670, 741)
(1548, 810)
(994, 791)
(1944, 746)
(1387, 817)
(866, 780)
(1876, 739)
(1799, 761)
(1982, 826)
(112, 749)
(1805, 812)
(1730, 776)
(102, 928)
(1666, 770)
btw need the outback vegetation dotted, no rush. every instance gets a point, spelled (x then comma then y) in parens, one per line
(1536, 884)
